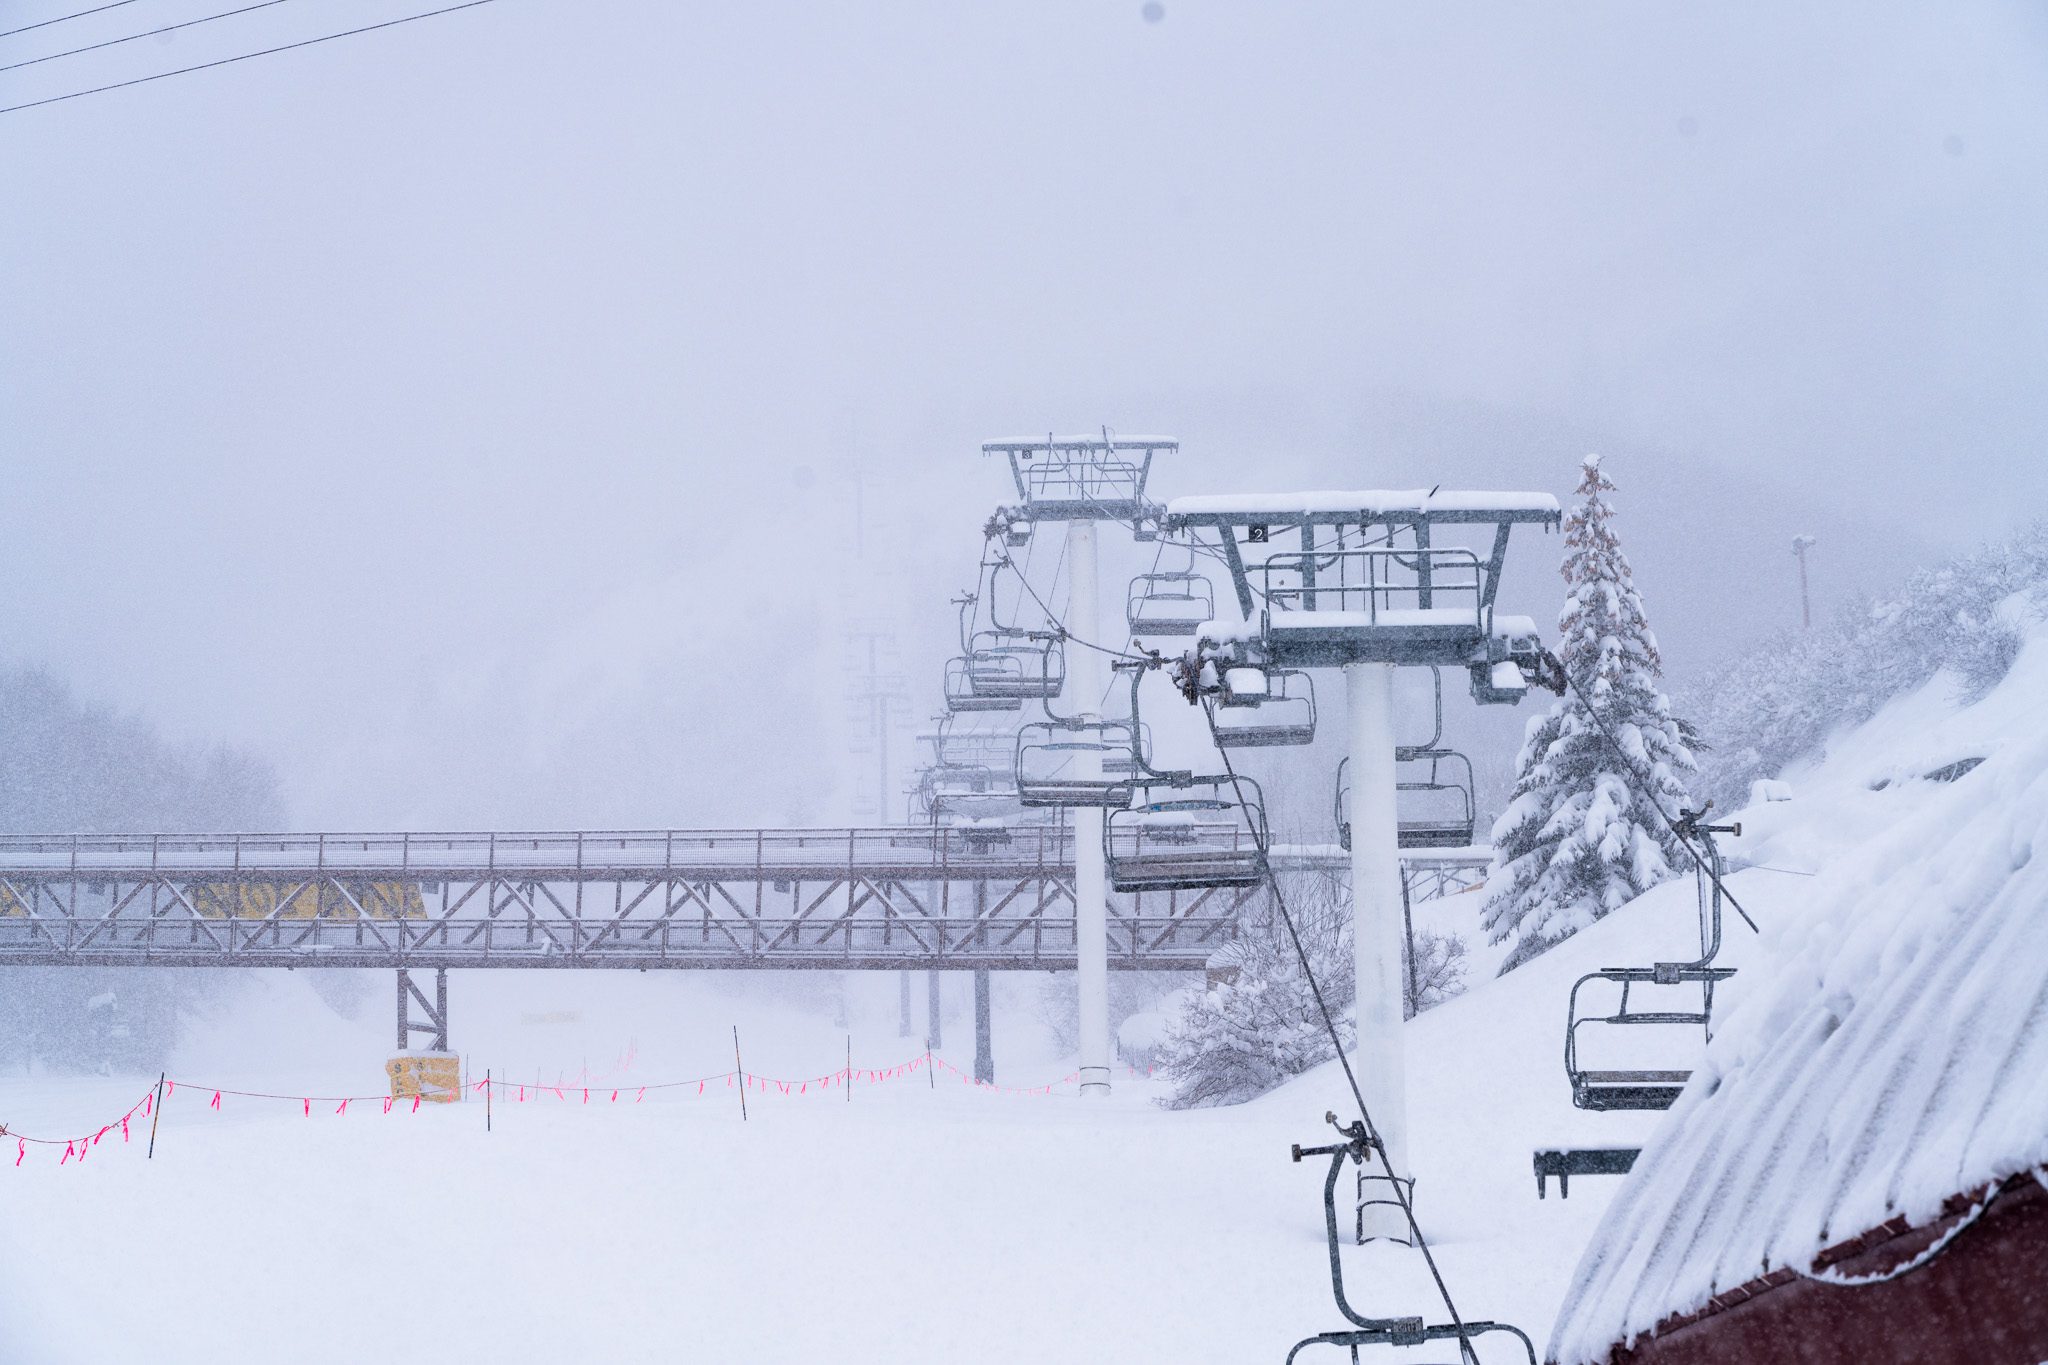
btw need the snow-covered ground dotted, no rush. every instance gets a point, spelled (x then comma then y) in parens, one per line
(911, 1223)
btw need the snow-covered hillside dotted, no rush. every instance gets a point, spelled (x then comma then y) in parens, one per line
(911, 1223)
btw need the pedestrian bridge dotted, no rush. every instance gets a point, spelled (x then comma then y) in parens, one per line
(929, 898)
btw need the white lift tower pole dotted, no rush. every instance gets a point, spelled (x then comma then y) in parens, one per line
(1091, 877)
(1376, 922)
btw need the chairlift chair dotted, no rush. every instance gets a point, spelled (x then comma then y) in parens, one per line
(1433, 801)
(1638, 1087)
(1357, 1147)
(1187, 835)
(1169, 603)
(1001, 665)
(1285, 715)
(1068, 763)
(961, 694)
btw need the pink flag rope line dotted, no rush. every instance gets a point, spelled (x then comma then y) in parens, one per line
(77, 1147)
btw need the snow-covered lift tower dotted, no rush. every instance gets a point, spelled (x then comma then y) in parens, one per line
(1368, 582)
(1083, 480)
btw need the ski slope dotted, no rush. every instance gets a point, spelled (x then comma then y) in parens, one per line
(911, 1222)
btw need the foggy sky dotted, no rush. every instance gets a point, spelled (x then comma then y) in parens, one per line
(468, 415)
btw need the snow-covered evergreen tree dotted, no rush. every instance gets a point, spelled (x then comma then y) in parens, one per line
(1255, 1023)
(1581, 835)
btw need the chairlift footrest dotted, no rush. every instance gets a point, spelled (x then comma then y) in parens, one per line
(1566, 1162)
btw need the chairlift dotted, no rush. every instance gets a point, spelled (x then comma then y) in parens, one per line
(1358, 1147)
(1001, 664)
(1433, 801)
(961, 694)
(1069, 763)
(1187, 835)
(1286, 715)
(1638, 1087)
(1179, 602)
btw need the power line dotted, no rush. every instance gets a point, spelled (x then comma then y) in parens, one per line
(226, 61)
(167, 28)
(62, 17)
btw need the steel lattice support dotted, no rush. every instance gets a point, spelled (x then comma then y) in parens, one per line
(435, 1012)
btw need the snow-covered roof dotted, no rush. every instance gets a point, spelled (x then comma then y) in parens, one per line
(1894, 1058)
(1375, 501)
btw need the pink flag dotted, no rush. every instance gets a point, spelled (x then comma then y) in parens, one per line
(341, 1108)
(415, 1104)
(308, 1103)
(387, 1103)
(216, 1101)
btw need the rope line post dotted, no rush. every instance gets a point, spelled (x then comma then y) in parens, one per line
(154, 1114)
(739, 1072)
(487, 1099)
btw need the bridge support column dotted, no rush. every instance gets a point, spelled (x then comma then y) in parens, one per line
(1376, 929)
(934, 1027)
(434, 1020)
(903, 1029)
(984, 1030)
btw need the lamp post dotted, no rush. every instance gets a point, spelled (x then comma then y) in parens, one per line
(1800, 545)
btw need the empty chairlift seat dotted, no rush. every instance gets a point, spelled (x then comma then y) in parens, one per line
(1187, 836)
(1176, 603)
(1640, 1041)
(1000, 666)
(961, 694)
(1433, 804)
(1074, 763)
(1277, 708)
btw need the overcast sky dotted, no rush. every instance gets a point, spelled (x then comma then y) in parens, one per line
(468, 415)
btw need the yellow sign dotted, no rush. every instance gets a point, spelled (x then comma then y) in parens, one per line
(433, 1076)
(301, 900)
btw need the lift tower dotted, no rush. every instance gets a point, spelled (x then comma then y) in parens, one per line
(1083, 481)
(1364, 582)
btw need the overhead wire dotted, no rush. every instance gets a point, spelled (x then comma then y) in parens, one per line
(79, 14)
(1644, 790)
(149, 33)
(1261, 842)
(242, 57)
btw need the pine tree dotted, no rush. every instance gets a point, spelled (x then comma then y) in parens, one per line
(1581, 835)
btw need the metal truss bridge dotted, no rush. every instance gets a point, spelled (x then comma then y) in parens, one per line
(847, 899)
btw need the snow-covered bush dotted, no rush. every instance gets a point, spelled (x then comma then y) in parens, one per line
(1781, 700)
(1255, 1023)
(1582, 833)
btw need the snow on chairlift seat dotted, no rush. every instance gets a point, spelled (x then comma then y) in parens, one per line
(962, 696)
(1064, 763)
(1286, 715)
(1178, 602)
(1433, 807)
(1187, 837)
(1634, 1038)
(1035, 670)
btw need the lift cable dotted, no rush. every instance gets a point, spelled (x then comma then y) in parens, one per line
(150, 33)
(1642, 789)
(242, 57)
(1401, 1196)
(62, 17)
